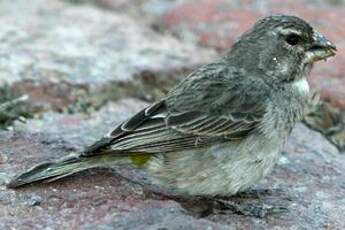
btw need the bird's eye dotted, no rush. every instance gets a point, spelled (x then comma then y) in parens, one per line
(293, 39)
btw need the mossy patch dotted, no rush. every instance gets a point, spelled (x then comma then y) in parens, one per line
(13, 107)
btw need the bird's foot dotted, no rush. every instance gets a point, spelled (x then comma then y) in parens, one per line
(258, 193)
(251, 203)
(253, 210)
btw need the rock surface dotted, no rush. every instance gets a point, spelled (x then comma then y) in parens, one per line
(88, 65)
(52, 51)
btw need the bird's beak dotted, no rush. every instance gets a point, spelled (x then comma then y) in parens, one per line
(321, 48)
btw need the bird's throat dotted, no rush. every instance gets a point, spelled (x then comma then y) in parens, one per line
(301, 85)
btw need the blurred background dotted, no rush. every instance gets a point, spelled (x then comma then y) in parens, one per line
(70, 70)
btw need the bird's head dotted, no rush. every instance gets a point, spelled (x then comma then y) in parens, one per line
(283, 47)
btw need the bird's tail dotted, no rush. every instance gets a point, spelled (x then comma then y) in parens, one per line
(55, 170)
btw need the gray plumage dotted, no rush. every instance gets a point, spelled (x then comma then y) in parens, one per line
(223, 127)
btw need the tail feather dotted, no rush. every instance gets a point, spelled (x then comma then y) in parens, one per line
(55, 170)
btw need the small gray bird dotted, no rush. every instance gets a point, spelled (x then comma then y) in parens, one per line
(223, 127)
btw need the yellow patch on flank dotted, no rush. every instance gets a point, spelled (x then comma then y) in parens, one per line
(140, 160)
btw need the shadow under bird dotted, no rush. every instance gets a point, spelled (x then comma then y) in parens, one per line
(223, 127)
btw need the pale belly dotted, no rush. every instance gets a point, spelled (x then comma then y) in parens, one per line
(224, 169)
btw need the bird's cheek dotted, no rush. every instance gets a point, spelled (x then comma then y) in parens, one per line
(306, 64)
(283, 67)
(309, 57)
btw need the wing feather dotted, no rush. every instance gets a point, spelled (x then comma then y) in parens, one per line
(207, 107)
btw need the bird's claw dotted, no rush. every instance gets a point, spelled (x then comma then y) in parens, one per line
(253, 210)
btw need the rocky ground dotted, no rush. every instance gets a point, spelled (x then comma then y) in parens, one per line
(84, 66)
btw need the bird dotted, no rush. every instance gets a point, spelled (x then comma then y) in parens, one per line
(223, 127)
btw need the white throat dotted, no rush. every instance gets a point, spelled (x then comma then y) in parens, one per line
(301, 85)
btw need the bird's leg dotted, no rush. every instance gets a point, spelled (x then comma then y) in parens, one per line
(204, 206)
(253, 202)
(249, 203)
(258, 193)
(250, 209)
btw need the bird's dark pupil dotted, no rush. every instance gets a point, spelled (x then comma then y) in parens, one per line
(292, 39)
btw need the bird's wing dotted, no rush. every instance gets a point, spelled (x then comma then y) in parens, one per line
(208, 107)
